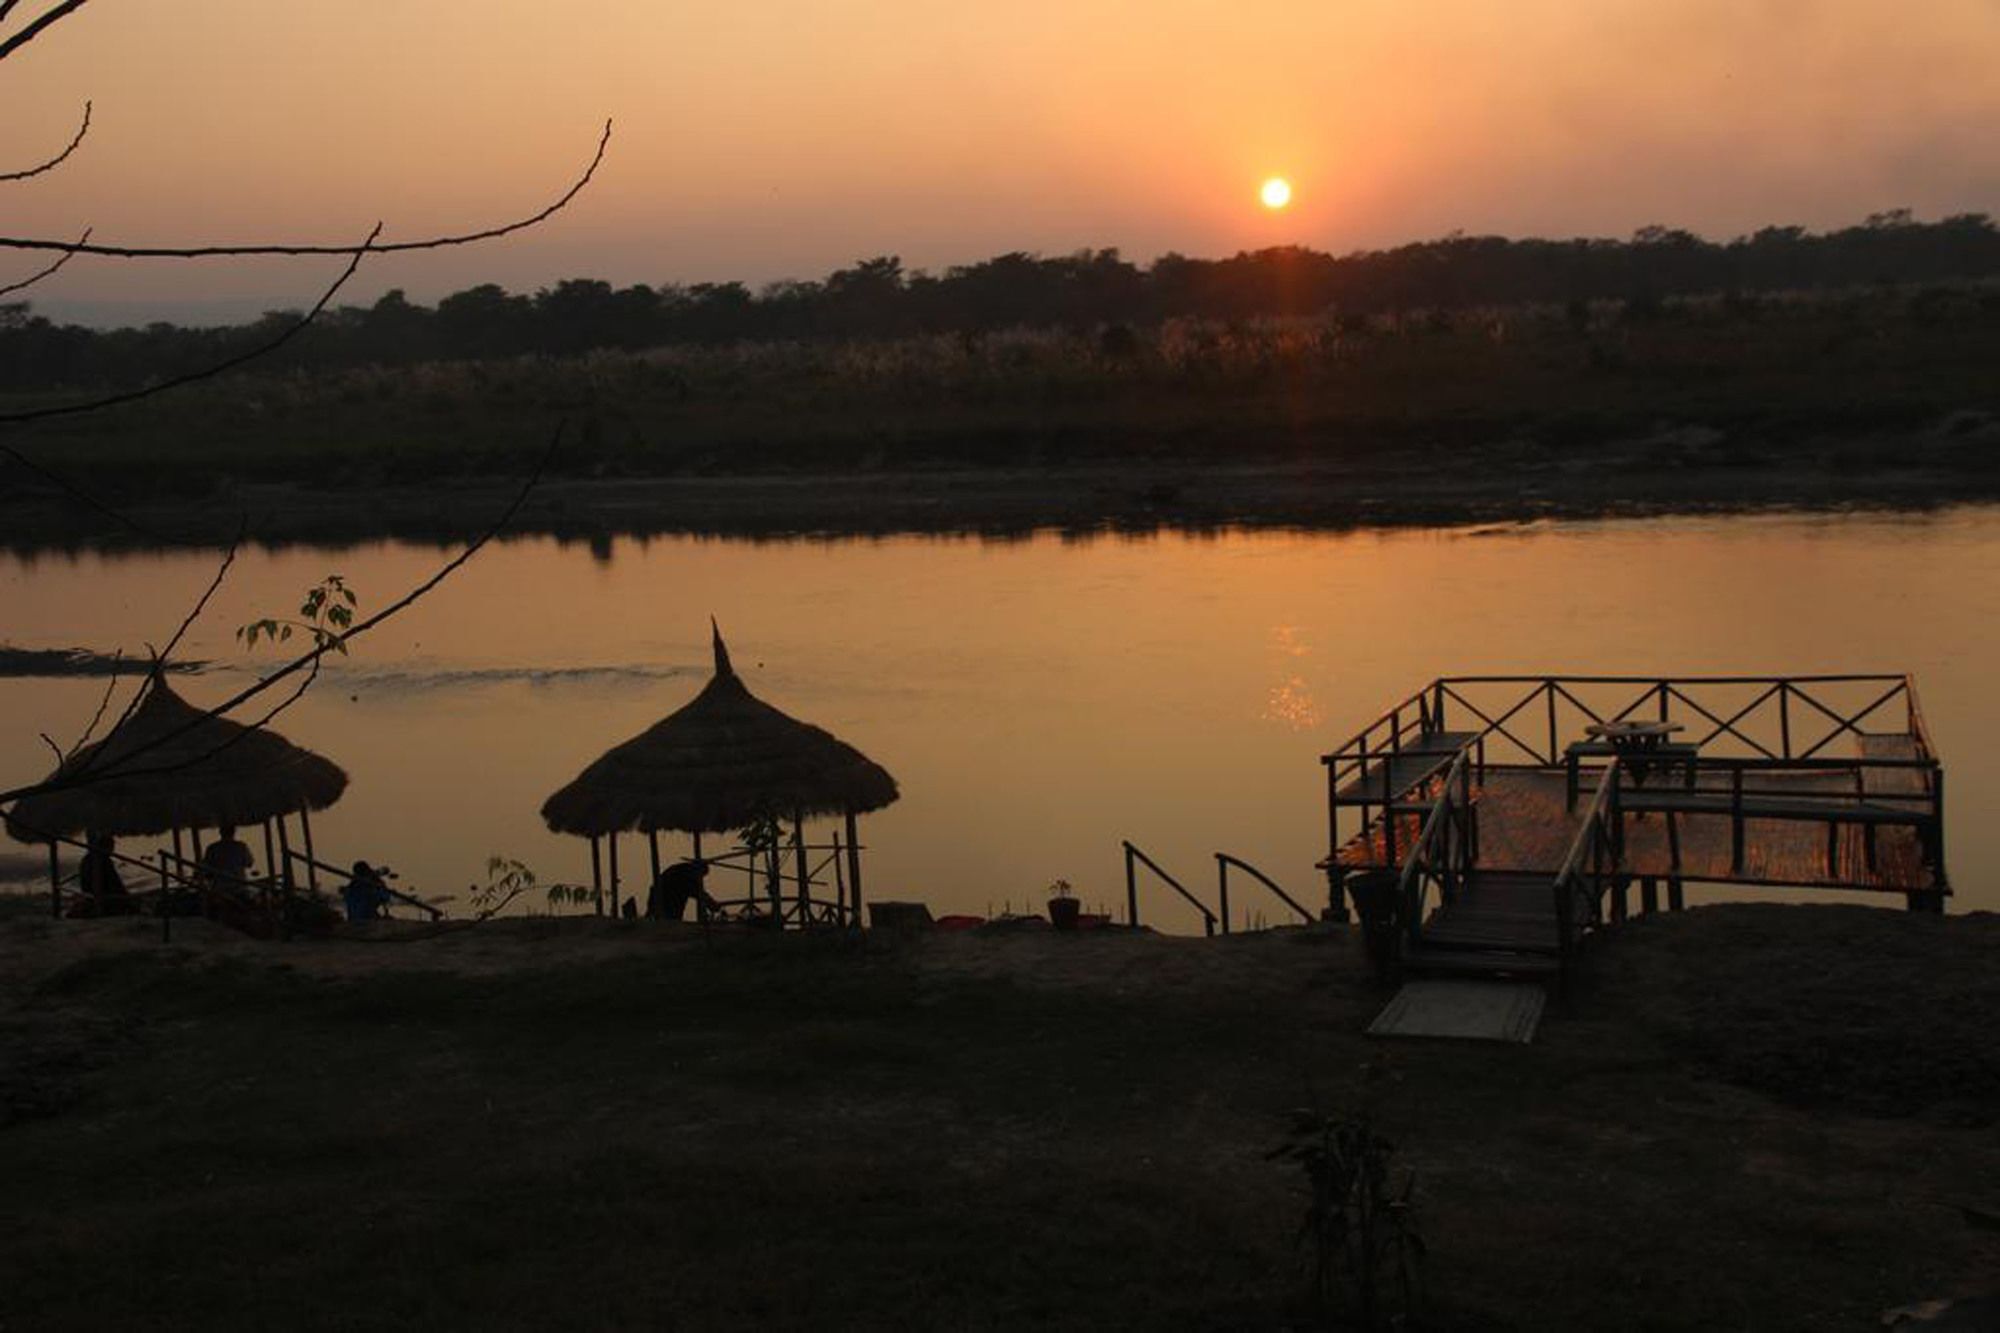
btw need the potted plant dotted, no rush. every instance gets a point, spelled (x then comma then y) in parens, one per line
(1063, 905)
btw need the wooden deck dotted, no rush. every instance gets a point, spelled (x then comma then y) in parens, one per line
(1484, 826)
(1525, 827)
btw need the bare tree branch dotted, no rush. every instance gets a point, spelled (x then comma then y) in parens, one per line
(47, 20)
(28, 282)
(160, 659)
(394, 247)
(307, 661)
(207, 372)
(59, 158)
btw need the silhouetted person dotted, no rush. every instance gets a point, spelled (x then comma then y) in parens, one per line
(366, 894)
(226, 863)
(667, 900)
(97, 876)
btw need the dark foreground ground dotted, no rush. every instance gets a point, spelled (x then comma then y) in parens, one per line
(1748, 1117)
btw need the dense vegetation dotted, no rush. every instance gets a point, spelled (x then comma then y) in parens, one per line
(1092, 289)
(1545, 386)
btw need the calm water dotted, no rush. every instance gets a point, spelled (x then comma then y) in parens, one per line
(1037, 700)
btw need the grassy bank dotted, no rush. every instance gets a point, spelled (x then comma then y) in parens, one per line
(533, 1125)
(1688, 402)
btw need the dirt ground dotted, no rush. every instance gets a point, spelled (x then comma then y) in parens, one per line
(1741, 1117)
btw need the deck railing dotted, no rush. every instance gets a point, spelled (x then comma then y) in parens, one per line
(1444, 852)
(1769, 717)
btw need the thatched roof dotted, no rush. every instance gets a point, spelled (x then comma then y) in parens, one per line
(211, 772)
(721, 762)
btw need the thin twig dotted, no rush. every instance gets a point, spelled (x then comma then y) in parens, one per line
(159, 659)
(50, 742)
(59, 158)
(239, 251)
(110, 688)
(35, 29)
(305, 661)
(50, 271)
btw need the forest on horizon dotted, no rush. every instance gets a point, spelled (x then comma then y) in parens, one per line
(1090, 289)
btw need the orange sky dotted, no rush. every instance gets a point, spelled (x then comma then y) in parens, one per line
(784, 138)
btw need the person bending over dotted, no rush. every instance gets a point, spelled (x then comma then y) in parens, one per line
(667, 900)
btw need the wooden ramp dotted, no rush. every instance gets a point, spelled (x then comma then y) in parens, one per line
(1464, 1010)
(1497, 924)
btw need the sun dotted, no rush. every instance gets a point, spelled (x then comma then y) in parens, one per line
(1275, 192)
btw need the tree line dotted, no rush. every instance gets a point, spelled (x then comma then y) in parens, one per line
(879, 298)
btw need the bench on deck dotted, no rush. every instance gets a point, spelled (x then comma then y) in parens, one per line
(1740, 806)
(1393, 773)
(1666, 754)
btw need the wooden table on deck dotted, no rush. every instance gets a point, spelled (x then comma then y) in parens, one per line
(1642, 746)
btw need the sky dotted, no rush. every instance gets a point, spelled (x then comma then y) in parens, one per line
(766, 139)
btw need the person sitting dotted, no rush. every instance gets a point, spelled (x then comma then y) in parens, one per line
(366, 894)
(226, 864)
(667, 900)
(97, 877)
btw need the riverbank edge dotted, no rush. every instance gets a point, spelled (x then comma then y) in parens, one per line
(1483, 487)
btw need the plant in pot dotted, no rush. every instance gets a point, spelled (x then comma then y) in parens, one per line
(1063, 905)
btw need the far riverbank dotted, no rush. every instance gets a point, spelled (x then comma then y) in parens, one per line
(1672, 472)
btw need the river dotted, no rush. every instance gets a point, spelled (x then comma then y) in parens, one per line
(1038, 700)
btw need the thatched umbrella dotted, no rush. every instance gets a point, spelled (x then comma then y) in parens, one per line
(724, 761)
(170, 766)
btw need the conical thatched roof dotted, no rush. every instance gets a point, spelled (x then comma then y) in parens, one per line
(211, 772)
(721, 762)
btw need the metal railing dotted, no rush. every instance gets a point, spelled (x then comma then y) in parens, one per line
(1223, 861)
(1135, 858)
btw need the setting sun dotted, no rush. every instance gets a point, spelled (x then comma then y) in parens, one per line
(1276, 192)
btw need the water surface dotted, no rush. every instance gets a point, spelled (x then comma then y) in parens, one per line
(1038, 700)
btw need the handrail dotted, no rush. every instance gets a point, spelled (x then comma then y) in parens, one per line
(1132, 889)
(1223, 861)
(1599, 839)
(1455, 796)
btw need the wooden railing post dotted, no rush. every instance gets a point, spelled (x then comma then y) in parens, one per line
(1131, 890)
(1785, 718)
(1549, 691)
(1937, 822)
(1736, 820)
